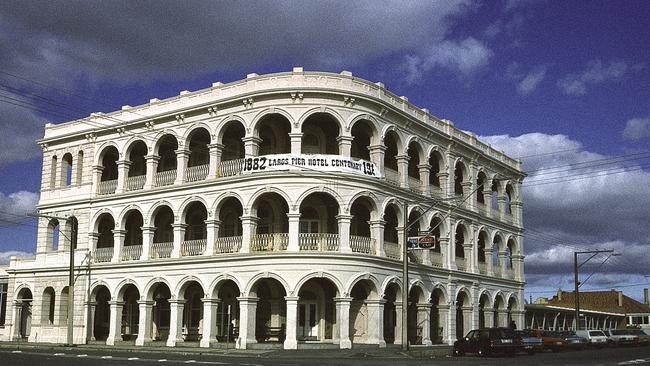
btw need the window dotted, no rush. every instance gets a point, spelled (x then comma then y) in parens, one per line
(3, 304)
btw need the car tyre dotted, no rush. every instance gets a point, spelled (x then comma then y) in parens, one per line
(458, 352)
(482, 352)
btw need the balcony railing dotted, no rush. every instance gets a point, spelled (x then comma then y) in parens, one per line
(107, 187)
(230, 168)
(131, 252)
(162, 250)
(196, 173)
(269, 242)
(102, 255)
(135, 183)
(323, 242)
(193, 247)
(392, 250)
(228, 244)
(362, 244)
(392, 176)
(165, 178)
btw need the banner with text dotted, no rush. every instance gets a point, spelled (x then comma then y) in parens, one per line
(319, 163)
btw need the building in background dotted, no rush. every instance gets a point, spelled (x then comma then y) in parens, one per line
(270, 209)
(4, 279)
(599, 310)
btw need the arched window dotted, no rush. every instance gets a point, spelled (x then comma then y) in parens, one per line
(53, 170)
(79, 168)
(53, 234)
(66, 170)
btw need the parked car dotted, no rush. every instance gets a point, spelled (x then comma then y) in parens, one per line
(573, 340)
(530, 342)
(596, 338)
(619, 337)
(488, 341)
(643, 338)
(552, 340)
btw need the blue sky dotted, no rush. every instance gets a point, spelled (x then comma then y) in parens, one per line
(566, 79)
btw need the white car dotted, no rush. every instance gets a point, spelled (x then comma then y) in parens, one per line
(595, 338)
(620, 337)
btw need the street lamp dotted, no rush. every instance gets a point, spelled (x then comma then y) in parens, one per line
(576, 266)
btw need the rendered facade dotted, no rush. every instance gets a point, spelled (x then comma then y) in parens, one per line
(270, 210)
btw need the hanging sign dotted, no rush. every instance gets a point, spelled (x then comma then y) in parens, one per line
(319, 163)
(422, 242)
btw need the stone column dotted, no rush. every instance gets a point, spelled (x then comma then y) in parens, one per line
(503, 260)
(488, 315)
(152, 166)
(376, 322)
(469, 260)
(487, 198)
(251, 146)
(118, 243)
(467, 319)
(518, 267)
(209, 321)
(403, 170)
(147, 240)
(176, 308)
(377, 233)
(115, 322)
(93, 238)
(122, 173)
(249, 229)
(182, 157)
(443, 322)
(215, 159)
(501, 201)
(489, 263)
(443, 178)
(290, 341)
(377, 157)
(344, 233)
(97, 177)
(424, 320)
(145, 322)
(449, 187)
(212, 228)
(400, 240)
(473, 249)
(398, 321)
(294, 231)
(179, 236)
(444, 253)
(425, 170)
(451, 248)
(343, 320)
(345, 145)
(90, 320)
(247, 313)
(296, 142)
(503, 318)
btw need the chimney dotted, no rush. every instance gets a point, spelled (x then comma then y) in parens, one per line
(559, 295)
(620, 298)
(645, 296)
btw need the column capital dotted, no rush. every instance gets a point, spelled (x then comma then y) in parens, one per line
(247, 299)
(424, 166)
(177, 301)
(293, 215)
(98, 168)
(146, 302)
(424, 306)
(376, 302)
(123, 163)
(116, 303)
(251, 139)
(150, 229)
(402, 158)
(343, 217)
(216, 147)
(292, 298)
(342, 300)
(152, 157)
(210, 301)
(179, 226)
(344, 138)
(377, 222)
(295, 135)
(377, 148)
(119, 231)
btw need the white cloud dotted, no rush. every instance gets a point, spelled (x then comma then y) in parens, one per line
(601, 211)
(594, 73)
(5, 256)
(530, 82)
(637, 129)
(466, 57)
(15, 206)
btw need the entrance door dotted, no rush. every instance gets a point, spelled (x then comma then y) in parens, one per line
(308, 321)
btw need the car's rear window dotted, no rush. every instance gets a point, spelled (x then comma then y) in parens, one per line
(618, 332)
(502, 333)
(596, 333)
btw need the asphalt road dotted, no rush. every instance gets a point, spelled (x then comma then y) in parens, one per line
(109, 357)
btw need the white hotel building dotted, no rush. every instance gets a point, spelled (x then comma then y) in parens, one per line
(270, 210)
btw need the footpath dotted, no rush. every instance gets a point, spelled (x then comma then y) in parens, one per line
(304, 352)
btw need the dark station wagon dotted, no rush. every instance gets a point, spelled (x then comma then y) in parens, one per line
(488, 341)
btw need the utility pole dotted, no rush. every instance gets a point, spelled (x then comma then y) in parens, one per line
(577, 266)
(405, 276)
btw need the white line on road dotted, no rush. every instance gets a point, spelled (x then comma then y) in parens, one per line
(163, 360)
(212, 363)
(106, 357)
(16, 351)
(82, 355)
(190, 361)
(59, 354)
(133, 358)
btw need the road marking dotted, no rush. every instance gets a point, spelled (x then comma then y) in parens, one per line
(82, 355)
(634, 362)
(190, 361)
(106, 357)
(213, 363)
(133, 358)
(16, 351)
(59, 354)
(163, 360)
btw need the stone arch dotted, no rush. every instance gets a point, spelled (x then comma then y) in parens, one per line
(442, 290)
(412, 139)
(122, 286)
(394, 202)
(130, 143)
(215, 285)
(319, 189)
(218, 202)
(103, 148)
(153, 210)
(466, 291)
(262, 275)
(181, 286)
(498, 295)
(369, 195)
(485, 292)
(221, 126)
(97, 215)
(374, 294)
(253, 127)
(121, 218)
(192, 129)
(22, 287)
(336, 116)
(374, 125)
(392, 280)
(94, 287)
(188, 201)
(425, 294)
(261, 191)
(497, 238)
(150, 287)
(320, 274)
(158, 139)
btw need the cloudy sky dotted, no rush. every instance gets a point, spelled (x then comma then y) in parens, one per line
(563, 85)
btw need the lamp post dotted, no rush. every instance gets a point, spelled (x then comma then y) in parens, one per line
(577, 266)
